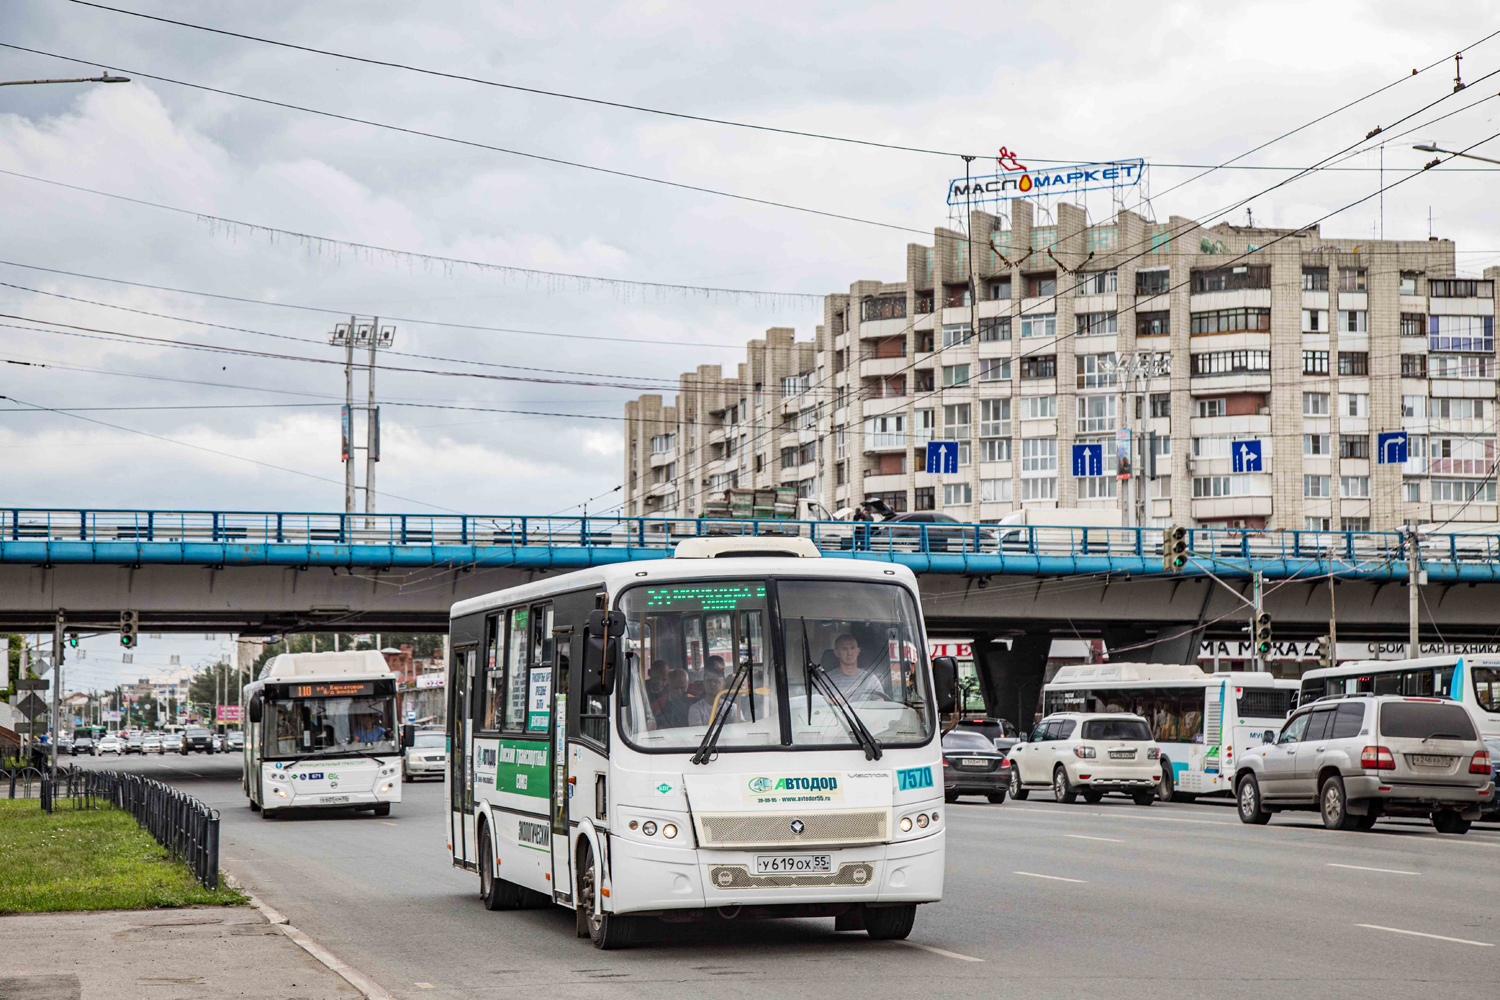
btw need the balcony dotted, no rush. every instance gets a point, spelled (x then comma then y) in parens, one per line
(885, 441)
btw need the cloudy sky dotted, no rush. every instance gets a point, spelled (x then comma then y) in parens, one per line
(1175, 83)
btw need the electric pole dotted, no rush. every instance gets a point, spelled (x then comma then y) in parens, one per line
(57, 662)
(1413, 581)
(371, 335)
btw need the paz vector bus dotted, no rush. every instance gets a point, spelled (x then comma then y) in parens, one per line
(753, 736)
(322, 732)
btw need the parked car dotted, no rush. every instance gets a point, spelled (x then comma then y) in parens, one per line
(171, 743)
(109, 744)
(150, 743)
(218, 742)
(235, 740)
(1001, 732)
(197, 740)
(426, 757)
(1355, 758)
(944, 533)
(81, 744)
(135, 744)
(972, 766)
(1088, 754)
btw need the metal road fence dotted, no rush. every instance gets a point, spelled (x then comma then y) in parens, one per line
(183, 825)
(137, 537)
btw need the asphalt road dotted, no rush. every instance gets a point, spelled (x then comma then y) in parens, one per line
(1042, 900)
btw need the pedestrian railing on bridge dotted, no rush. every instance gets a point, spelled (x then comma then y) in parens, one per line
(137, 537)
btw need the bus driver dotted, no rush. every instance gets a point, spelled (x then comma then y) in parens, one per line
(855, 682)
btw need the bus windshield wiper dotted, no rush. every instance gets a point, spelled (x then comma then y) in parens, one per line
(324, 753)
(706, 749)
(851, 718)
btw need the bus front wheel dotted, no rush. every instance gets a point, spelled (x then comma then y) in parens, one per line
(608, 931)
(890, 923)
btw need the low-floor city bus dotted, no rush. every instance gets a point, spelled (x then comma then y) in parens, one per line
(1198, 718)
(751, 736)
(322, 732)
(1473, 681)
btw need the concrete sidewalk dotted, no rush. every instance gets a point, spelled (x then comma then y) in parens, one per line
(197, 953)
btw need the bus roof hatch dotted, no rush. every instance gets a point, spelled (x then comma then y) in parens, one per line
(745, 547)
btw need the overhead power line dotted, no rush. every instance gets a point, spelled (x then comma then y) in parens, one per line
(475, 144)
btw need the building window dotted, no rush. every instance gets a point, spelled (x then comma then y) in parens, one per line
(1354, 404)
(1354, 446)
(1455, 408)
(1315, 362)
(1355, 487)
(1096, 414)
(955, 375)
(1157, 281)
(1038, 455)
(1414, 407)
(1351, 279)
(885, 307)
(840, 473)
(789, 458)
(1214, 487)
(1315, 321)
(1314, 487)
(1038, 407)
(1413, 325)
(894, 499)
(1161, 405)
(839, 447)
(1000, 289)
(994, 369)
(1459, 288)
(995, 449)
(1231, 362)
(1096, 371)
(957, 494)
(994, 491)
(1230, 321)
(1229, 279)
(1041, 366)
(957, 333)
(1096, 283)
(1356, 523)
(793, 385)
(994, 418)
(956, 424)
(1462, 366)
(885, 432)
(1315, 279)
(1097, 487)
(1211, 407)
(1039, 325)
(1408, 283)
(1414, 365)
(1354, 363)
(924, 424)
(1315, 445)
(1153, 324)
(1461, 333)
(1039, 489)
(1353, 321)
(808, 453)
(993, 329)
(925, 499)
(1462, 490)
(1100, 324)
(1317, 524)
(1040, 285)
(663, 443)
(1412, 491)
(1315, 404)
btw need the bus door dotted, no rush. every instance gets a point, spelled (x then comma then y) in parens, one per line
(460, 780)
(562, 779)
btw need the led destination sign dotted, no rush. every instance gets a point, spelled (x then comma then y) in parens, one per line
(331, 689)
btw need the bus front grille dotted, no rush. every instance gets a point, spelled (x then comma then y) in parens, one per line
(739, 877)
(787, 829)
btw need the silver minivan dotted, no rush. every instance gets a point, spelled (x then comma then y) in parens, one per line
(1358, 757)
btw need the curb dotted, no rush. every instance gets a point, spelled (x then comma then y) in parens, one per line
(370, 989)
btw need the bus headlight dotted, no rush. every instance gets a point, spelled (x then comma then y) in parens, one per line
(922, 820)
(385, 788)
(648, 828)
(281, 792)
(669, 831)
(905, 824)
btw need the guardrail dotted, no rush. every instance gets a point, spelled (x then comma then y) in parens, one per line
(137, 537)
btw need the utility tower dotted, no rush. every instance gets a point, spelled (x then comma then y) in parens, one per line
(367, 335)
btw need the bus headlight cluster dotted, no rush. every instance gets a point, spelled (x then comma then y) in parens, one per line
(385, 788)
(281, 792)
(920, 819)
(649, 828)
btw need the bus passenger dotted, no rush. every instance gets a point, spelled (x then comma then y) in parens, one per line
(676, 703)
(702, 711)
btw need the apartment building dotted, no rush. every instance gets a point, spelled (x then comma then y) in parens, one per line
(1245, 374)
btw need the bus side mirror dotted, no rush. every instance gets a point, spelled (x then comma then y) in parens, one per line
(255, 707)
(408, 735)
(945, 683)
(600, 642)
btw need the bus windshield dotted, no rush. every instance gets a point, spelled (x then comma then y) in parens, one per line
(694, 650)
(300, 726)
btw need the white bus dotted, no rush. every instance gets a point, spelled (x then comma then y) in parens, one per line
(754, 735)
(1473, 681)
(322, 732)
(1198, 718)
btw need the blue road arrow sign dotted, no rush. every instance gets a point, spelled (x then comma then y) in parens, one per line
(1392, 448)
(1088, 460)
(1246, 456)
(942, 456)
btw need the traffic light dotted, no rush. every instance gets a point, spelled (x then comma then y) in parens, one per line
(73, 639)
(127, 629)
(1173, 548)
(1325, 652)
(1263, 633)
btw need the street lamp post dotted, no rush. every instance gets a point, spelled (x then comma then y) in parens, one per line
(1432, 147)
(101, 78)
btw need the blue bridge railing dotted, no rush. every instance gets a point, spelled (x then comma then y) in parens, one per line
(144, 537)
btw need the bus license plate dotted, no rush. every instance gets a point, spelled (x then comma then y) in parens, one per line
(330, 800)
(781, 864)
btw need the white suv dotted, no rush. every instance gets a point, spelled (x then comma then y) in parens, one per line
(1088, 754)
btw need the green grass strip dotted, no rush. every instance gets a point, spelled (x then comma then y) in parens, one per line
(89, 859)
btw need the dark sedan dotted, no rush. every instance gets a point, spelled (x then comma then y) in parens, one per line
(1001, 732)
(972, 766)
(197, 741)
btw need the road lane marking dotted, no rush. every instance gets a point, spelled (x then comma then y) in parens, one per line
(424, 986)
(1363, 868)
(1054, 878)
(935, 951)
(1111, 814)
(1104, 840)
(1435, 937)
(387, 822)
